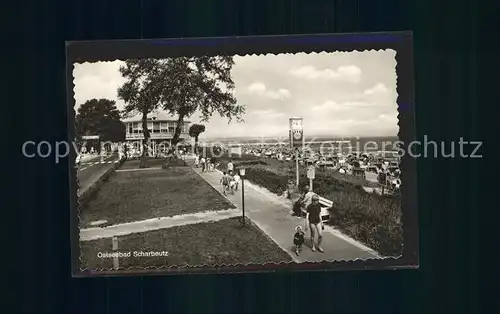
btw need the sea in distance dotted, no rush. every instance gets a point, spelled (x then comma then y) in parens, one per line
(385, 143)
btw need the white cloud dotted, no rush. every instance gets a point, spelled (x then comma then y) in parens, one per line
(258, 88)
(267, 114)
(379, 88)
(271, 93)
(333, 105)
(97, 80)
(348, 73)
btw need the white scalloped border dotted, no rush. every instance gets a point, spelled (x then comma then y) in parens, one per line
(339, 262)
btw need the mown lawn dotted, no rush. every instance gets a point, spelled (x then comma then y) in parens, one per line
(225, 242)
(138, 195)
(151, 163)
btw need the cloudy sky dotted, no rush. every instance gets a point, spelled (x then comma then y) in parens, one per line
(337, 94)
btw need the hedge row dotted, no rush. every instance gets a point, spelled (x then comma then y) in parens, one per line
(370, 218)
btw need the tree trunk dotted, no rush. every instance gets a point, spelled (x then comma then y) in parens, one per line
(196, 143)
(178, 130)
(175, 141)
(144, 157)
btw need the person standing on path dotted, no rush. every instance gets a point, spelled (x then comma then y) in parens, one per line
(313, 221)
(203, 164)
(230, 166)
(236, 181)
(207, 166)
(225, 180)
(308, 195)
(196, 161)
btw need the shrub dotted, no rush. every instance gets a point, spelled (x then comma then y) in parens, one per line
(267, 179)
(370, 218)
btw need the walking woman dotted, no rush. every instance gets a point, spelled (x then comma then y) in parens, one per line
(313, 221)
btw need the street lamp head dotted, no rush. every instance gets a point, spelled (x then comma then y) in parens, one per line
(242, 172)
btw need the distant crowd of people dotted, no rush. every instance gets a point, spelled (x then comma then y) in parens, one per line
(230, 182)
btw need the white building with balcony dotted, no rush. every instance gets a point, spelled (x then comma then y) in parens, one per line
(161, 130)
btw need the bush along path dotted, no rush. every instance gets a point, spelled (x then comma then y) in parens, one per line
(367, 217)
(273, 217)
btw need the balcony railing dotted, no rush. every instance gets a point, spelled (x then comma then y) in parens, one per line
(152, 135)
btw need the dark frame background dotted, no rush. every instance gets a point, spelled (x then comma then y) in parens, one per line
(401, 42)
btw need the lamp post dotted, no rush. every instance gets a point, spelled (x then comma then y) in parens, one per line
(242, 175)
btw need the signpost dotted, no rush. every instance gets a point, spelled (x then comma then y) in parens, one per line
(242, 175)
(296, 134)
(311, 175)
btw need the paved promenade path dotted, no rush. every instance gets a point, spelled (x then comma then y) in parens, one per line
(273, 215)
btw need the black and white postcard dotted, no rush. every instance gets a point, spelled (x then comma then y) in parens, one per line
(242, 154)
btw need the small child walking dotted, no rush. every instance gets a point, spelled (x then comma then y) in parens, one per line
(225, 180)
(298, 239)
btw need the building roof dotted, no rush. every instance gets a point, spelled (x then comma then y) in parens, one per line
(156, 116)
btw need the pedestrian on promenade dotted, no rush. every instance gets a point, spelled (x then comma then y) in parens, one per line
(212, 165)
(196, 161)
(307, 198)
(230, 166)
(225, 180)
(297, 206)
(203, 164)
(298, 239)
(237, 180)
(313, 221)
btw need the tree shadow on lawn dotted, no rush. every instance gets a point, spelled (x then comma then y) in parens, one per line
(139, 195)
(224, 242)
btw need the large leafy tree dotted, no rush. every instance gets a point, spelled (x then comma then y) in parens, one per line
(140, 94)
(203, 84)
(181, 86)
(194, 131)
(100, 117)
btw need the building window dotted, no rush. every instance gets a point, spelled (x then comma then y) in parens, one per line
(163, 127)
(171, 127)
(156, 127)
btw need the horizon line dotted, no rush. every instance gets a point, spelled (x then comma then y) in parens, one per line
(306, 136)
